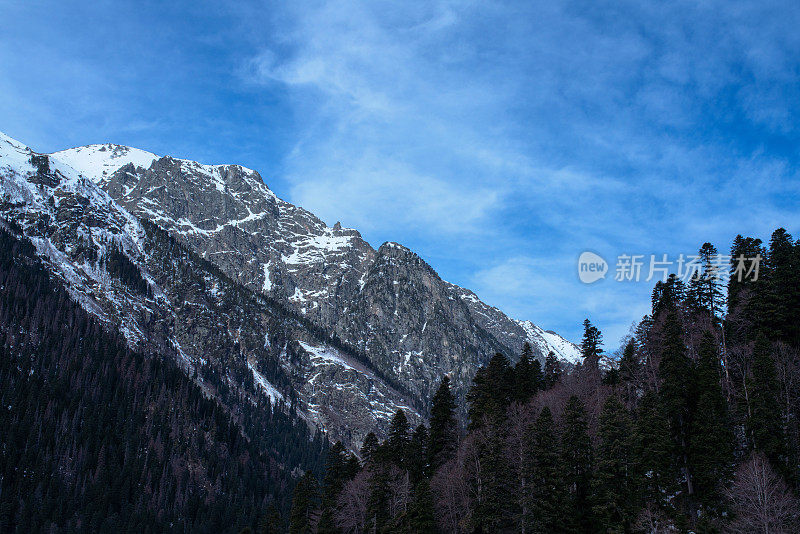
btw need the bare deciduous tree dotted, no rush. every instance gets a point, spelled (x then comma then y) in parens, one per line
(351, 514)
(762, 502)
(451, 488)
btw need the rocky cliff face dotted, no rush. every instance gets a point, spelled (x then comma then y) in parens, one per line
(253, 289)
(389, 303)
(170, 302)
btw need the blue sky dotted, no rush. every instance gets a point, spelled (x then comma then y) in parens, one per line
(499, 140)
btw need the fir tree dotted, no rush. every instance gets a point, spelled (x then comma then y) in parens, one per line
(654, 451)
(444, 427)
(421, 515)
(335, 477)
(576, 461)
(764, 422)
(270, 523)
(398, 440)
(614, 484)
(417, 460)
(526, 379)
(544, 499)
(552, 371)
(491, 391)
(705, 287)
(304, 505)
(710, 442)
(675, 371)
(494, 507)
(591, 346)
(667, 295)
(369, 447)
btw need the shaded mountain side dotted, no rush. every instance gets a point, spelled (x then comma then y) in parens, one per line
(97, 437)
(388, 303)
(240, 346)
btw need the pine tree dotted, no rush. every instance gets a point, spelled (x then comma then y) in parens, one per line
(614, 484)
(781, 290)
(576, 461)
(369, 447)
(591, 346)
(544, 499)
(494, 507)
(335, 477)
(398, 440)
(667, 295)
(552, 371)
(444, 427)
(526, 381)
(675, 371)
(422, 519)
(743, 252)
(704, 293)
(711, 441)
(304, 505)
(417, 461)
(629, 367)
(654, 451)
(491, 391)
(764, 423)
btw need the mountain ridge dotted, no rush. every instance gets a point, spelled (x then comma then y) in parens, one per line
(387, 305)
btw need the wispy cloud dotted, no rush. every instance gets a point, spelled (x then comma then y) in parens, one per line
(500, 139)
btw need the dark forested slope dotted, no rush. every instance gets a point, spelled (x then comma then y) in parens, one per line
(96, 437)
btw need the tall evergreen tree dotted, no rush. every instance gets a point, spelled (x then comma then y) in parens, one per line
(270, 523)
(552, 371)
(543, 501)
(576, 461)
(744, 251)
(491, 391)
(422, 519)
(764, 422)
(614, 483)
(417, 459)
(398, 440)
(444, 426)
(494, 505)
(369, 447)
(705, 287)
(781, 290)
(711, 441)
(654, 452)
(304, 505)
(675, 371)
(591, 346)
(667, 295)
(335, 477)
(527, 375)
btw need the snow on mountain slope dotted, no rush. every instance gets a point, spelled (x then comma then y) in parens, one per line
(388, 302)
(98, 162)
(213, 327)
(546, 341)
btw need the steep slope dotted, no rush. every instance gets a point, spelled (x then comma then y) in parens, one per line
(388, 303)
(238, 344)
(98, 438)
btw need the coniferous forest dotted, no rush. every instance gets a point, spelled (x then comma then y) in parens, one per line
(97, 438)
(692, 427)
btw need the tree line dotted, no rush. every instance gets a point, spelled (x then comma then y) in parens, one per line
(690, 427)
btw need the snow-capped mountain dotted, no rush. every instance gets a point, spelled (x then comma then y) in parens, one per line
(387, 302)
(166, 300)
(258, 289)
